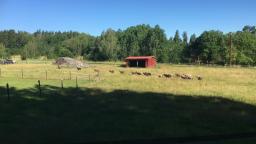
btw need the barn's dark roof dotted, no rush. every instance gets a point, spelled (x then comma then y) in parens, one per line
(139, 57)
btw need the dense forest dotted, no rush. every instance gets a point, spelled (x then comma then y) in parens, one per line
(214, 47)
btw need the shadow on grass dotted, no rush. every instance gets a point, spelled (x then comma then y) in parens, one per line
(87, 115)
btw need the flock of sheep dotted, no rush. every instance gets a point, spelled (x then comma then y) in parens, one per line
(182, 76)
(165, 75)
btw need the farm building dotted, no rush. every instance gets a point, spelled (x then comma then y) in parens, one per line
(141, 61)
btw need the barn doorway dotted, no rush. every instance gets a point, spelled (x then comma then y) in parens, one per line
(137, 63)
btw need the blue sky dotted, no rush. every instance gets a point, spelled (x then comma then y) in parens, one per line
(94, 16)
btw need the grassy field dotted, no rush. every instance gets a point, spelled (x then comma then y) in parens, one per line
(118, 106)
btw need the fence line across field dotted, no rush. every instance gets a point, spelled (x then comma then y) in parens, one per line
(46, 74)
(38, 86)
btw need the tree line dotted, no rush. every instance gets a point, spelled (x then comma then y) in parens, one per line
(213, 46)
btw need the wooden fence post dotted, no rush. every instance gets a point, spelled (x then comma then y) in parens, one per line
(22, 73)
(46, 76)
(39, 87)
(61, 83)
(8, 92)
(76, 83)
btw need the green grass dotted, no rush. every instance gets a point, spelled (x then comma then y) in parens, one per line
(126, 107)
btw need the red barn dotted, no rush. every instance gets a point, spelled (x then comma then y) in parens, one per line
(140, 61)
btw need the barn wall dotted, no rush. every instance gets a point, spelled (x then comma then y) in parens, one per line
(152, 62)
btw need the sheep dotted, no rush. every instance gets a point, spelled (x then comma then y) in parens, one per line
(189, 77)
(199, 77)
(134, 73)
(78, 68)
(112, 71)
(167, 75)
(138, 73)
(186, 76)
(96, 70)
(177, 75)
(147, 74)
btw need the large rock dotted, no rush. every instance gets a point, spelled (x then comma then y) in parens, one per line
(69, 62)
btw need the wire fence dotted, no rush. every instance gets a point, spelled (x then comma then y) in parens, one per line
(48, 74)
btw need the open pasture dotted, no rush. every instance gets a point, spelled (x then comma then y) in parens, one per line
(233, 83)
